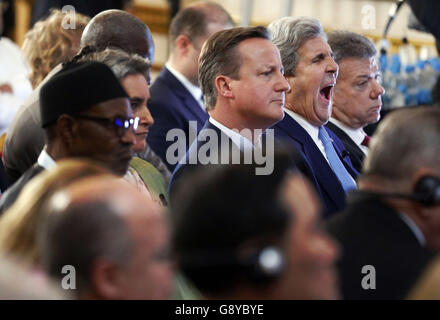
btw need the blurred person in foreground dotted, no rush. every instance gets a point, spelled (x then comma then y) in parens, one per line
(238, 235)
(20, 224)
(126, 256)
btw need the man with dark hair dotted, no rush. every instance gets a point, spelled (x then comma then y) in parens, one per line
(176, 97)
(357, 94)
(124, 236)
(97, 125)
(25, 138)
(311, 73)
(243, 84)
(242, 236)
(390, 229)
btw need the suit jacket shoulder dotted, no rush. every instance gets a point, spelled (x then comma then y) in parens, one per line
(25, 138)
(373, 234)
(316, 167)
(172, 107)
(9, 197)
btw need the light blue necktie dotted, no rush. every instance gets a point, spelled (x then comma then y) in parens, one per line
(336, 163)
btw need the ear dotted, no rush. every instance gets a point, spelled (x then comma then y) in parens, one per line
(67, 129)
(106, 280)
(182, 43)
(224, 86)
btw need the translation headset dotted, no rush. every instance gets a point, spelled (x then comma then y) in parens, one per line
(426, 192)
(262, 266)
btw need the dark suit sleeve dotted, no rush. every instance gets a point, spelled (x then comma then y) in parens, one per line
(165, 118)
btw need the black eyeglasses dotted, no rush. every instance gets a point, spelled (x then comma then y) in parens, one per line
(121, 125)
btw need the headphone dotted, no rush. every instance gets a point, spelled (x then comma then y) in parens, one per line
(264, 265)
(426, 192)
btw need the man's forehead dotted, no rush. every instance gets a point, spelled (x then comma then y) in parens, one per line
(316, 45)
(358, 66)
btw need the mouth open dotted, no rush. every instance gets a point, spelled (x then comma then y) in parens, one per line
(326, 92)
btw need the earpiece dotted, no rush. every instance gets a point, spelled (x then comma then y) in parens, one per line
(426, 192)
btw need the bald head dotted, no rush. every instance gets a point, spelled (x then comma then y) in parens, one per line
(125, 233)
(120, 29)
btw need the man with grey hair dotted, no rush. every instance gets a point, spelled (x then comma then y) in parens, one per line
(176, 98)
(124, 236)
(311, 73)
(391, 226)
(357, 94)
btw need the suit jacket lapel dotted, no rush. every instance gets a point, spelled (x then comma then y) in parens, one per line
(191, 105)
(324, 174)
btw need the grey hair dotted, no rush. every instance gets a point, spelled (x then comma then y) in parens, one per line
(346, 44)
(122, 63)
(289, 34)
(398, 147)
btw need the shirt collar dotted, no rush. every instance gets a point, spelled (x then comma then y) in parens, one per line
(312, 130)
(357, 135)
(195, 91)
(240, 141)
(45, 160)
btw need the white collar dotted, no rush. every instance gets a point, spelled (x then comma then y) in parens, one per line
(240, 141)
(414, 228)
(45, 160)
(312, 130)
(195, 91)
(357, 135)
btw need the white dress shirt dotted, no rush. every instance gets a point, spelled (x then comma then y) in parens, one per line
(312, 130)
(45, 160)
(357, 135)
(240, 141)
(195, 91)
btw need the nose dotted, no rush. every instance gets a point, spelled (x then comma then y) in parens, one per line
(146, 118)
(377, 91)
(129, 137)
(332, 67)
(282, 85)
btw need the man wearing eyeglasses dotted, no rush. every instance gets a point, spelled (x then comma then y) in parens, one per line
(85, 113)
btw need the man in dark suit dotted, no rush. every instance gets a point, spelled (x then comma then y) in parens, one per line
(243, 84)
(97, 125)
(176, 97)
(311, 72)
(391, 227)
(357, 95)
(25, 138)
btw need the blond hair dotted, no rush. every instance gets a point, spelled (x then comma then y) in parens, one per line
(48, 44)
(19, 224)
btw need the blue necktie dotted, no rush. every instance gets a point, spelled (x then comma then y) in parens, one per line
(336, 163)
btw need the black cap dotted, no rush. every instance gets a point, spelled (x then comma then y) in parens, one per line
(76, 87)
